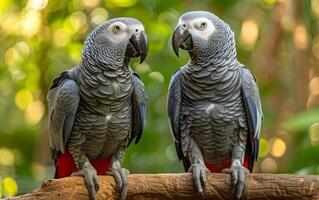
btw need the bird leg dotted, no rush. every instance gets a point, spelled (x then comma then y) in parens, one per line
(198, 168)
(237, 171)
(89, 174)
(119, 173)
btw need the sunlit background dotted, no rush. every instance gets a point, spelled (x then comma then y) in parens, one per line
(277, 39)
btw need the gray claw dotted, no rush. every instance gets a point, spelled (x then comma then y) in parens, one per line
(238, 178)
(120, 175)
(199, 171)
(91, 179)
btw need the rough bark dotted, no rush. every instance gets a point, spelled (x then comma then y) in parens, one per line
(180, 186)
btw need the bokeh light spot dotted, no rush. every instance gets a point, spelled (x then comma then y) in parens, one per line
(15, 54)
(99, 15)
(4, 6)
(8, 25)
(78, 19)
(157, 76)
(17, 74)
(23, 98)
(271, 2)
(121, 3)
(23, 48)
(142, 68)
(31, 24)
(61, 37)
(10, 187)
(264, 148)
(91, 3)
(285, 136)
(315, 7)
(314, 133)
(6, 157)
(34, 112)
(314, 86)
(37, 4)
(11, 57)
(248, 34)
(278, 147)
(300, 37)
(268, 165)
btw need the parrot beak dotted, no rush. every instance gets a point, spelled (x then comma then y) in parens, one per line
(182, 39)
(137, 46)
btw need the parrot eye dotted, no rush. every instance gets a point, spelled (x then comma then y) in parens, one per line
(116, 29)
(203, 25)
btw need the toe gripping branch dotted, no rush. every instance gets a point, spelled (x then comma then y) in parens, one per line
(91, 179)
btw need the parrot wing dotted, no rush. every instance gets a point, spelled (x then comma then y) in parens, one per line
(250, 94)
(139, 99)
(63, 100)
(174, 98)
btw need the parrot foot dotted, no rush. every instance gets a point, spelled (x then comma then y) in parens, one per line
(199, 171)
(238, 178)
(91, 179)
(120, 175)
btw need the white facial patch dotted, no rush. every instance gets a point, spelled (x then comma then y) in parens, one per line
(136, 28)
(200, 27)
(117, 32)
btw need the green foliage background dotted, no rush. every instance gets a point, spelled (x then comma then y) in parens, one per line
(278, 40)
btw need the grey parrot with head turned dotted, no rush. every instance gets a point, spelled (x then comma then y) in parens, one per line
(98, 107)
(213, 103)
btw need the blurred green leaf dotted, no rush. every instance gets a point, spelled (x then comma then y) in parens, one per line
(304, 157)
(301, 121)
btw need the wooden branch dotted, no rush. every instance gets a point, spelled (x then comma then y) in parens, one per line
(180, 186)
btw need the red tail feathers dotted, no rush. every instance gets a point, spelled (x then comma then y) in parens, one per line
(65, 165)
(217, 169)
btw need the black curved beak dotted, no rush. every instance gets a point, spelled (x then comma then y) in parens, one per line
(137, 46)
(182, 39)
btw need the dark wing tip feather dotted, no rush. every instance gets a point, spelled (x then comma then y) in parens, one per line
(139, 99)
(253, 110)
(142, 109)
(63, 104)
(173, 110)
(57, 81)
(138, 76)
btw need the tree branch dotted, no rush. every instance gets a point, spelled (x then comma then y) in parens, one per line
(180, 186)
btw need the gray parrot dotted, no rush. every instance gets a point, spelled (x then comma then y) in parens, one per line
(213, 102)
(98, 107)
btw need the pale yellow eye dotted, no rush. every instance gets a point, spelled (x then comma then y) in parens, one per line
(203, 25)
(116, 28)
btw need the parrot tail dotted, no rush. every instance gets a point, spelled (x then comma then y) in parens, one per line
(65, 165)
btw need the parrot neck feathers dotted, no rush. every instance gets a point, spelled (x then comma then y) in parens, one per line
(113, 62)
(109, 57)
(217, 54)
